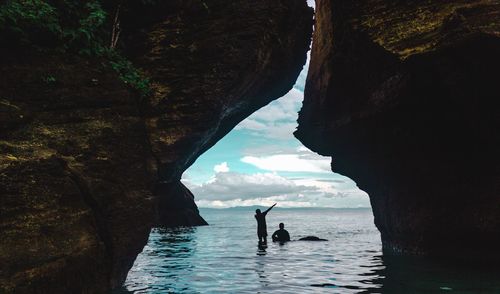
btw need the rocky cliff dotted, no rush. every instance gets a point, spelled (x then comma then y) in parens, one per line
(87, 166)
(404, 96)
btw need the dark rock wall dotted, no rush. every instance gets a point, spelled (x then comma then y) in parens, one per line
(86, 165)
(176, 206)
(212, 64)
(73, 174)
(404, 96)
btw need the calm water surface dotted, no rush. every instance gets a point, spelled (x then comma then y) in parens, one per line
(225, 258)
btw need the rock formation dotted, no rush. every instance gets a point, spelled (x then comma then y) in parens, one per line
(85, 163)
(211, 58)
(176, 206)
(404, 96)
(312, 238)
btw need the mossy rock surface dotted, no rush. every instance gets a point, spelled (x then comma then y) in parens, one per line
(82, 150)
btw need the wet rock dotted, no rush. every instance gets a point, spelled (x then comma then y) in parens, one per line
(312, 238)
(207, 78)
(78, 178)
(176, 206)
(403, 97)
(72, 179)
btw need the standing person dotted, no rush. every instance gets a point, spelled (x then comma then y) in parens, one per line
(281, 235)
(261, 224)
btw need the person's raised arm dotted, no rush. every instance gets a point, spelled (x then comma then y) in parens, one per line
(270, 208)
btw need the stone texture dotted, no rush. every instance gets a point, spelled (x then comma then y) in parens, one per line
(240, 55)
(312, 238)
(85, 164)
(71, 177)
(213, 64)
(404, 96)
(176, 206)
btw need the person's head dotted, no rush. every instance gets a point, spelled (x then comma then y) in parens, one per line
(282, 226)
(257, 211)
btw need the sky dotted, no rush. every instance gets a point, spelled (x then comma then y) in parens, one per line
(260, 162)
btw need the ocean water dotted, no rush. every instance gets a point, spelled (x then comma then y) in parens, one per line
(225, 258)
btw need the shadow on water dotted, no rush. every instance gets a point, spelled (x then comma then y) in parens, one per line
(168, 246)
(175, 242)
(397, 274)
(437, 276)
(260, 266)
(261, 249)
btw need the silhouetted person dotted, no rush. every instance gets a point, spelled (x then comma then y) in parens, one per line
(281, 235)
(261, 224)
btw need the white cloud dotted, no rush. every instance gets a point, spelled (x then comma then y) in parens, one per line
(303, 149)
(269, 149)
(250, 202)
(281, 131)
(284, 108)
(230, 189)
(290, 163)
(276, 120)
(231, 185)
(251, 124)
(221, 168)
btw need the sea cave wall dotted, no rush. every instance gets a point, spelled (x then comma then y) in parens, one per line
(88, 165)
(404, 96)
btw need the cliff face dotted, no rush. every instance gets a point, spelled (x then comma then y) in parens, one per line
(404, 96)
(87, 166)
(212, 64)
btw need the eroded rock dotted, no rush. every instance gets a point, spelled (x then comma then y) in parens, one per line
(312, 238)
(176, 206)
(212, 64)
(81, 154)
(404, 96)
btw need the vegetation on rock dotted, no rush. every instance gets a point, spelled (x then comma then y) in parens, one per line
(75, 27)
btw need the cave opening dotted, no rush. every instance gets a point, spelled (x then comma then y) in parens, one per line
(96, 136)
(257, 164)
(260, 162)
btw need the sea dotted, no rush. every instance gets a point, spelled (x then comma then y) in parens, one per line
(225, 257)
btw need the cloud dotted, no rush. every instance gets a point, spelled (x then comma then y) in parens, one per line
(231, 185)
(276, 120)
(303, 149)
(251, 202)
(221, 168)
(290, 163)
(251, 124)
(269, 149)
(228, 189)
(284, 108)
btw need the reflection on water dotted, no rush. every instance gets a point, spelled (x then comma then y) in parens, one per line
(423, 276)
(261, 249)
(225, 258)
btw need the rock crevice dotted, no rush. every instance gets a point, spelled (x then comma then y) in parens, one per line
(402, 96)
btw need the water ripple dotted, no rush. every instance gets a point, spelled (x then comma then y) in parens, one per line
(225, 258)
